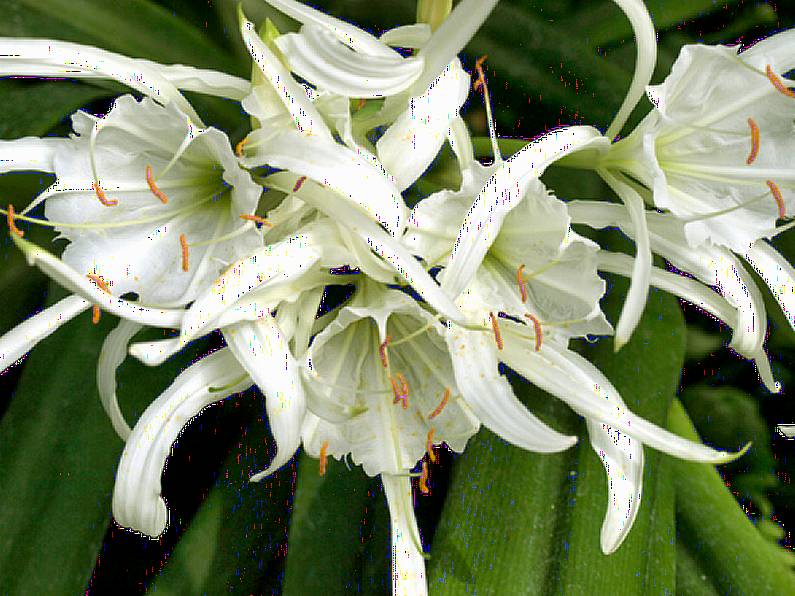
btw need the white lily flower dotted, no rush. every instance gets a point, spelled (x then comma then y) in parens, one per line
(715, 149)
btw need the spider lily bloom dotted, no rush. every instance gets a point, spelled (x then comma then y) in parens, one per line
(529, 284)
(739, 302)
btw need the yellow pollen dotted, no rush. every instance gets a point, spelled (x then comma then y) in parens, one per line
(96, 313)
(429, 446)
(754, 141)
(239, 147)
(323, 456)
(441, 405)
(150, 180)
(778, 83)
(102, 196)
(185, 255)
(495, 326)
(537, 327)
(404, 390)
(424, 479)
(776, 192)
(11, 223)
(520, 281)
(256, 219)
(481, 80)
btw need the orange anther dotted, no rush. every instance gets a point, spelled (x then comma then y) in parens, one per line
(441, 405)
(495, 326)
(537, 327)
(754, 141)
(424, 479)
(404, 390)
(256, 219)
(183, 242)
(429, 446)
(778, 83)
(150, 180)
(323, 457)
(239, 147)
(481, 80)
(520, 281)
(299, 183)
(96, 313)
(776, 192)
(102, 196)
(360, 104)
(383, 353)
(11, 223)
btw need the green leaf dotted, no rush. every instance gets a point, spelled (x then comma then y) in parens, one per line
(517, 522)
(325, 545)
(726, 545)
(691, 580)
(137, 28)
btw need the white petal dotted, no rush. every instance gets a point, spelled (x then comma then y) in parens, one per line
(81, 285)
(155, 353)
(112, 355)
(385, 245)
(272, 264)
(29, 154)
(577, 382)
(502, 193)
(491, 398)
(344, 171)
(409, 146)
(638, 292)
(622, 457)
(777, 273)
(20, 340)
(775, 50)
(201, 80)
(408, 564)
(316, 54)
(407, 36)
(293, 96)
(262, 350)
(51, 58)
(137, 503)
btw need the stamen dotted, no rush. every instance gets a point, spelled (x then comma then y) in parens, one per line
(495, 327)
(360, 104)
(256, 219)
(96, 313)
(424, 479)
(383, 353)
(239, 147)
(150, 180)
(754, 141)
(520, 281)
(404, 387)
(323, 456)
(299, 183)
(537, 326)
(778, 83)
(429, 445)
(441, 405)
(102, 196)
(12, 226)
(776, 192)
(481, 82)
(395, 390)
(185, 255)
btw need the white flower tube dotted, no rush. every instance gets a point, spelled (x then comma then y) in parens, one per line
(408, 564)
(29, 154)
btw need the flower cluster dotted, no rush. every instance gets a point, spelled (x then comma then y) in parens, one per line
(169, 226)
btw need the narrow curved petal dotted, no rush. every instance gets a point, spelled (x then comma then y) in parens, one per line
(502, 193)
(348, 173)
(113, 353)
(316, 54)
(408, 564)
(304, 114)
(155, 353)
(491, 398)
(137, 503)
(271, 264)
(413, 141)
(81, 285)
(577, 382)
(385, 245)
(21, 339)
(263, 352)
(775, 50)
(622, 458)
(412, 36)
(202, 80)
(53, 58)
(777, 273)
(29, 154)
(635, 301)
